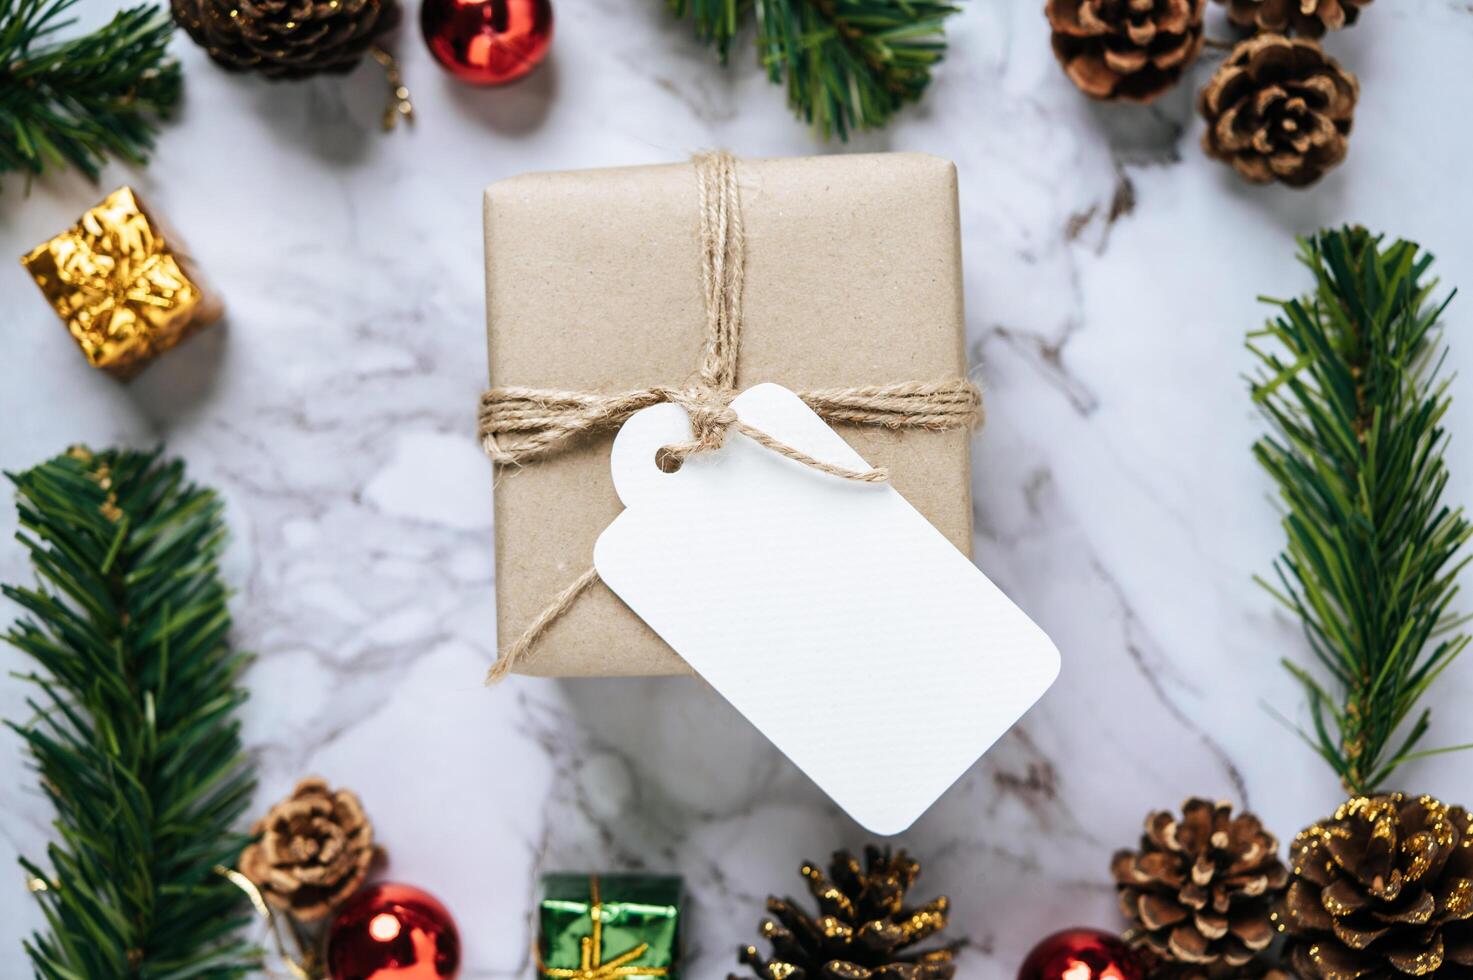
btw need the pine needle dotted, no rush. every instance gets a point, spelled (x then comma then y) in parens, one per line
(847, 64)
(134, 734)
(80, 101)
(1349, 381)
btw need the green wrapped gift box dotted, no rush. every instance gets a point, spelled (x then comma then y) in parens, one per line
(608, 927)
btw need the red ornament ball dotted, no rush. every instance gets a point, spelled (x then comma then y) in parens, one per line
(1081, 954)
(392, 932)
(487, 42)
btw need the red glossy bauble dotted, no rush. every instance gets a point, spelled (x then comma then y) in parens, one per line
(1081, 954)
(487, 42)
(392, 932)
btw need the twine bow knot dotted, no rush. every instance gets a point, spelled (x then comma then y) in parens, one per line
(521, 424)
(711, 415)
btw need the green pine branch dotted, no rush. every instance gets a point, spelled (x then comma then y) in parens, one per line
(1348, 379)
(79, 101)
(847, 64)
(134, 733)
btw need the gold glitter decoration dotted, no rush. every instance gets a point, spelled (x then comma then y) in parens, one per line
(825, 893)
(100, 474)
(1420, 848)
(1459, 902)
(1422, 963)
(778, 971)
(400, 106)
(927, 919)
(1335, 907)
(832, 928)
(125, 290)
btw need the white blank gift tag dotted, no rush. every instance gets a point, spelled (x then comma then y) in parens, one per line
(829, 612)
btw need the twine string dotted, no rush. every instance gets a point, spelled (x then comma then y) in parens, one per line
(522, 424)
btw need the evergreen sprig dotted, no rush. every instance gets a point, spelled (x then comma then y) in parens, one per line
(847, 64)
(1349, 381)
(80, 101)
(134, 733)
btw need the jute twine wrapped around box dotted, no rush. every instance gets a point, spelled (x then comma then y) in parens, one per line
(521, 424)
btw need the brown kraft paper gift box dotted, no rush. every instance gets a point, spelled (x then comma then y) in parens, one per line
(853, 277)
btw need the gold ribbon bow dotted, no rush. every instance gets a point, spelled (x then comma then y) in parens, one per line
(592, 965)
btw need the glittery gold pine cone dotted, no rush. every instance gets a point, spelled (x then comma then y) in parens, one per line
(314, 850)
(864, 929)
(1383, 890)
(286, 38)
(1200, 890)
(1307, 18)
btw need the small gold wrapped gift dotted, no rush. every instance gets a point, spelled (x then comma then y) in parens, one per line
(125, 289)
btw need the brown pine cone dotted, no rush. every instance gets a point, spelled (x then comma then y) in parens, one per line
(1125, 49)
(1201, 889)
(1383, 890)
(286, 38)
(864, 931)
(315, 849)
(1279, 109)
(1157, 968)
(1308, 18)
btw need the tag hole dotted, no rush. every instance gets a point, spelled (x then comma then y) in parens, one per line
(666, 461)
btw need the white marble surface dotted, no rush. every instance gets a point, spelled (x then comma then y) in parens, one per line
(1111, 273)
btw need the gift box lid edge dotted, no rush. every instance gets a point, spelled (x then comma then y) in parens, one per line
(512, 185)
